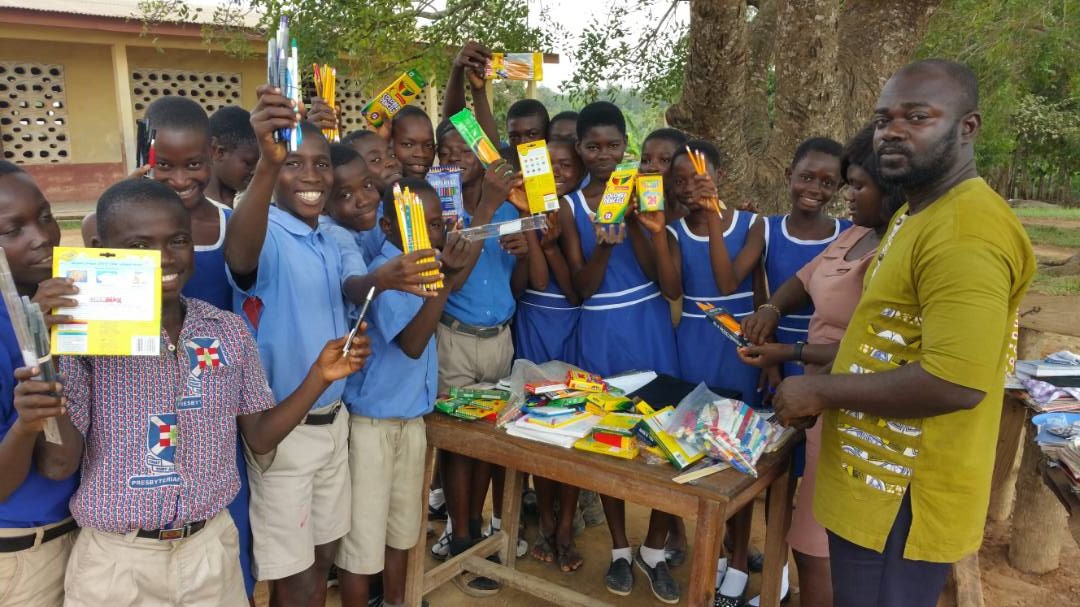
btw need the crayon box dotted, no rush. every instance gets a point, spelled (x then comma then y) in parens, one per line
(616, 199)
(389, 102)
(650, 191)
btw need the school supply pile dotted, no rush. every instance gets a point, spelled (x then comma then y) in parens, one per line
(1051, 384)
(515, 66)
(413, 227)
(325, 80)
(389, 102)
(697, 158)
(283, 72)
(1059, 438)
(614, 435)
(473, 403)
(28, 323)
(447, 183)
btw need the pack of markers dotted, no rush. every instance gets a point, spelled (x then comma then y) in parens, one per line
(283, 72)
(727, 429)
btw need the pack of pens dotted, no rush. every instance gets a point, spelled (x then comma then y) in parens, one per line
(727, 429)
(283, 72)
(413, 226)
(28, 321)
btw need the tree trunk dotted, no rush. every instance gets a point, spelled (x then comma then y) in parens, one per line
(762, 44)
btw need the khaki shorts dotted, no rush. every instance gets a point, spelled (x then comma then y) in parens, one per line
(113, 570)
(35, 577)
(300, 499)
(386, 462)
(466, 359)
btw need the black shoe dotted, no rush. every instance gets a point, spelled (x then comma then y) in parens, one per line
(619, 578)
(664, 587)
(728, 601)
(756, 560)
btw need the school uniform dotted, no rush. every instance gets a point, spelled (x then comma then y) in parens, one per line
(784, 256)
(36, 528)
(369, 242)
(626, 324)
(705, 354)
(299, 494)
(387, 441)
(158, 469)
(473, 335)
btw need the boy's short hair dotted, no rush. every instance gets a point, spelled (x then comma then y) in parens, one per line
(179, 114)
(415, 184)
(357, 135)
(824, 145)
(9, 168)
(342, 154)
(675, 136)
(527, 107)
(600, 113)
(712, 154)
(409, 111)
(231, 127)
(128, 192)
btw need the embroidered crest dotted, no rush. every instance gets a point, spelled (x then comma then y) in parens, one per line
(161, 443)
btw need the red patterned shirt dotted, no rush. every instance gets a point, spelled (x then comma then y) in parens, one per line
(161, 431)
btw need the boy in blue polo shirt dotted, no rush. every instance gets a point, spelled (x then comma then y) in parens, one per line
(387, 402)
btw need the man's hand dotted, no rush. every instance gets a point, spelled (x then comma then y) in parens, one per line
(609, 234)
(549, 240)
(798, 398)
(760, 326)
(406, 273)
(455, 252)
(56, 293)
(273, 112)
(35, 401)
(322, 115)
(333, 365)
(515, 244)
(765, 355)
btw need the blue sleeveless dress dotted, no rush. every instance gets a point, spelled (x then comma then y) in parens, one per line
(545, 324)
(626, 324)
(705, 355)
(784, 256)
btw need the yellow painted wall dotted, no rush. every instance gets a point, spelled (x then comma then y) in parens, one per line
(252, 71)
(93, 119)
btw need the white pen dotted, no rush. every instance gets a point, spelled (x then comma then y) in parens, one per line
(363, 311)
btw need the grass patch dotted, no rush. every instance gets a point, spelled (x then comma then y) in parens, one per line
(1055, 285)
(1059, 213)
(1051, 235)
(70, 224)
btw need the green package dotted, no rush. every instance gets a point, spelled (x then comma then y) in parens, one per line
(472, 393)
(474, 136)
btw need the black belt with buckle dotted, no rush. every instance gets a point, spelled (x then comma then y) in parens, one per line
(322, 419)
(456, 325)
(179, 533)
(22, 542)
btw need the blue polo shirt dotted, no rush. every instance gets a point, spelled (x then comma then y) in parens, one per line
(392, 385)
(300, 306)
(38, 501)
(368, 242)
(485, 300)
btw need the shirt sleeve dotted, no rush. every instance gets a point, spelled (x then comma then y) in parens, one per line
(255, 394)
(78, 375)
(352, 256)
(963, 286)
(392, 311)
(266, 271)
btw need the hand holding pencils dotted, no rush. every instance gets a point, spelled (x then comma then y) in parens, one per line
(325, 79)
(698, 160)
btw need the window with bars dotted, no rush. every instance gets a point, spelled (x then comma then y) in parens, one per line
(212, 90)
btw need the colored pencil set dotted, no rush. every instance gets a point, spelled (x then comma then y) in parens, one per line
(413, 226)
(283, 72)
(325, 78)
(698, 160)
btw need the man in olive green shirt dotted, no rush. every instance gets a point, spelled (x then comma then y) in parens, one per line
(911, 407)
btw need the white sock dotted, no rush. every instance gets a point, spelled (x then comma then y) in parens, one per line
(622, 553)
(784, 587)
(449, 526)
(652, 556)
(721, 569)
(436, 498)
(734, 582)
(496, 523)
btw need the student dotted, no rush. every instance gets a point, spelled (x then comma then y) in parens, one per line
(36, 528)
(413, 141)
(657, 152)
(378, 154)
(794, 239)
(625, 323)
(474, 340)
(290, 278)
(526, 121)
(152, 507)
(352, 209)
(233, 154)
(387, 443)
(905, 496)
(563, 126)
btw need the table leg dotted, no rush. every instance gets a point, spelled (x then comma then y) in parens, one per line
(778, 512)
(511, 516)
(414, 578)
(708, 538)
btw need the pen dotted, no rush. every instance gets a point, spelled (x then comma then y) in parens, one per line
(363, 311)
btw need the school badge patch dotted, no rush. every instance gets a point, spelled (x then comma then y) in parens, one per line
(204, 355)
(161, 442)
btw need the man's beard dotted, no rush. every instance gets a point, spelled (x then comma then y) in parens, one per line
(925, 169)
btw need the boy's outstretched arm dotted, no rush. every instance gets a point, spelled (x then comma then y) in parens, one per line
(246, 230)
(469, 65)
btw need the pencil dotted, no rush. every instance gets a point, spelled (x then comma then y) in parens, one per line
(697, 159)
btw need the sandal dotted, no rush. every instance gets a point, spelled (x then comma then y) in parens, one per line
(543, 548)
(568, 558)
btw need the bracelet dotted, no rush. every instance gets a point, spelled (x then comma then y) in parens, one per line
(769, 306)
(798, 351)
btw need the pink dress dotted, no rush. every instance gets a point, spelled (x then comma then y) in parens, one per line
(835, 285)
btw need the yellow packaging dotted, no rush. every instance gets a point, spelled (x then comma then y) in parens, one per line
(680, 453)
(602, 403)
(584, 381)
(628, 449)
(650, 191)
(515, 66)
(539, 179)
(616, 199)
(389, 102)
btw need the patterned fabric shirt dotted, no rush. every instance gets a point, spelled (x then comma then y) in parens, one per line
(161, 431)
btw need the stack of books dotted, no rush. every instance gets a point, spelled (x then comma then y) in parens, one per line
(1062, 377)
(562, 429)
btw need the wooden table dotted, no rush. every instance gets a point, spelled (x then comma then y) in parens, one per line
(710, 502)
(1059, 485)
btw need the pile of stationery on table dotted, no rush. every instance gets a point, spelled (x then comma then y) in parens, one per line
(561, 405)
(1050, 384)
(1059, 438)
